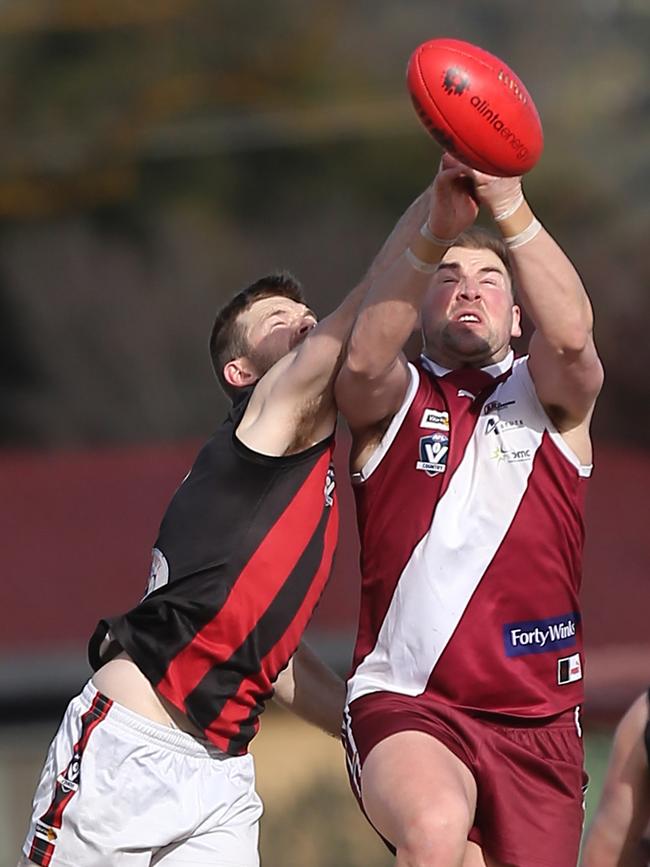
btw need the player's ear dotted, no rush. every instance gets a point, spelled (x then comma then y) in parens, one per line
(516, 321)
(240, 372)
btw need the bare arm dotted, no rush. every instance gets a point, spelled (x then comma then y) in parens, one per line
(303, 380)
(613, 840)
(311, 690)
(374, 376)
(563, 361)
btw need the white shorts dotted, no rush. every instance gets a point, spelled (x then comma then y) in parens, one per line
(120, 791)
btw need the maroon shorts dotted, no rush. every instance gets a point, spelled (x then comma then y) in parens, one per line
(529, 773)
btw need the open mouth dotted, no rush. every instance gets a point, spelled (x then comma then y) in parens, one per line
(468, 318)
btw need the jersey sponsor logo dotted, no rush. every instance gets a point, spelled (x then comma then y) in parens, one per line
(330, 485)
(499, 426)
(540, 636)
(434, 451)
(434, 419)
(511, 456)
(496, 406)
(569, 669)
(462, 392)
(159, 572)
(45, 832)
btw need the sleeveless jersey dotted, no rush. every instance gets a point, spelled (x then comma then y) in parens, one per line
(470, 515)
(242, 557)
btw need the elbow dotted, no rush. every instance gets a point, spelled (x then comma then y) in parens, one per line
(367, 364)
(575, 339)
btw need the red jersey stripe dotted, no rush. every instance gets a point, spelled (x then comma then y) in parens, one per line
(273, 561)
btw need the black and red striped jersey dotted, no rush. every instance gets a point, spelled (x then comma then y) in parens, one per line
(243, 554)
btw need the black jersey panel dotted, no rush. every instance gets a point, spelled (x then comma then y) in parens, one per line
(223, 681)
(156, 631)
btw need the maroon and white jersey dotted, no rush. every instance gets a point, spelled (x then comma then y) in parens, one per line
(470, 514)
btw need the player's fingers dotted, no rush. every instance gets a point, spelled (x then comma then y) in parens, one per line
(448, 161)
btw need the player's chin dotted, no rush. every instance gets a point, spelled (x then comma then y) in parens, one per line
(468, 342)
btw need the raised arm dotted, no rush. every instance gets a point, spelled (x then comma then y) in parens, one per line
(563, 360)
(374, 377)
(305, 377)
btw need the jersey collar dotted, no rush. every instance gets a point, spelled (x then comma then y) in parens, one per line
(494, 370)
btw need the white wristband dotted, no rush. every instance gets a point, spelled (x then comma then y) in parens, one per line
(418, 264)
(426, 232)
(503, 215)
(532, 229)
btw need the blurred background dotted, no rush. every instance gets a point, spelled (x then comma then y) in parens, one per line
(158, 156)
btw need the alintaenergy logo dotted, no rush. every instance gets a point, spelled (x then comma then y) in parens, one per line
(492, 117)
(457, 82)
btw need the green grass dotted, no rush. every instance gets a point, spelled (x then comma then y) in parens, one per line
(597, 745)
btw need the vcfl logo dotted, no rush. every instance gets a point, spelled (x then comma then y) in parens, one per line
(433, 454)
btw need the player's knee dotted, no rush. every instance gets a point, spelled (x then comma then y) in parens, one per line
(437, 838)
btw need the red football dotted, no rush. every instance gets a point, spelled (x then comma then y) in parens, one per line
(475, 107)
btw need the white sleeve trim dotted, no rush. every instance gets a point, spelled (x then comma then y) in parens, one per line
(393, 428)
(584, 470)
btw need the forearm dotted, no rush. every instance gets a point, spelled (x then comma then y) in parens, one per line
(311, 690)
(393, 247)
(390, 311)
(318, 359)
(548, 285)
(607, 845)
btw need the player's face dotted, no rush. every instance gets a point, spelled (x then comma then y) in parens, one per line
(274, 326)
(468, 316)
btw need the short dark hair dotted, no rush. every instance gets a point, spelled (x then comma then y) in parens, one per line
(477, 238)
(228, 338)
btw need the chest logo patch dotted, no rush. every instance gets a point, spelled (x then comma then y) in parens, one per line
(434, 419)
(434, 451)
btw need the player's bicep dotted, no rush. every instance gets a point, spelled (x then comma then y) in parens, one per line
(569, 382)
(364, 401)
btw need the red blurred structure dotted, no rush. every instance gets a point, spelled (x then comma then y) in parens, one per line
(77, 529)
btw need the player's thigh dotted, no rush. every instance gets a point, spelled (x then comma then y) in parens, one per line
(225, 849)
(411, 783)
(232, 842)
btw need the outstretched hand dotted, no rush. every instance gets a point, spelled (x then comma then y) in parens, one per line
(453, 205)
(500, 195)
